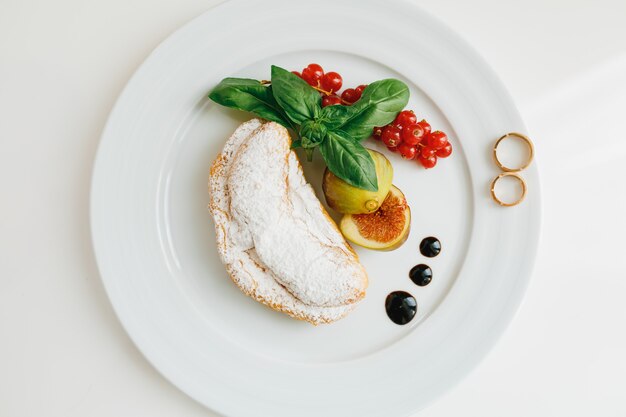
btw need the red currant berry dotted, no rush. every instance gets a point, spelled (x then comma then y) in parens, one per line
(391, 136)
(330, 100)
(377, 132)
(429, 162)
(392, 148)
(316, 68)
(427, 152)
(437, 140)
(331, 81)
(312, 74)
(359, 89)
(407, 151)
(405, 118)
(444, 152)
(297, 73)
(412, 134)
(425, 126)
(349, 95)
(310, 77)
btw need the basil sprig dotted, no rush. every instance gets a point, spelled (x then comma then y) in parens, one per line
(335, 130)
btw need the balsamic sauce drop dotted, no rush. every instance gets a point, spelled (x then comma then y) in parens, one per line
(421, 275)
(430, 247)
(401, 307)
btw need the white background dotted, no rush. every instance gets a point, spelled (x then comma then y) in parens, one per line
(62, 65)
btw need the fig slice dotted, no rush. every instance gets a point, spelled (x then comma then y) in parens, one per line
(385, 229)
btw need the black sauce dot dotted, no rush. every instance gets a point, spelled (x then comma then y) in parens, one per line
(430, 247)
(421, 275)
(401, 307)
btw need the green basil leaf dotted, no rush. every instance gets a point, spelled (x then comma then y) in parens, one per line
(249, 95)
(349, 160)
(379, 104)
(297, 98)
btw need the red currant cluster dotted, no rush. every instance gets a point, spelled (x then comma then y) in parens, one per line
(414, 140)
(329, 84)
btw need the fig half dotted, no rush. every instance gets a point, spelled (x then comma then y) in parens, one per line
(345, 198)
(385, 229)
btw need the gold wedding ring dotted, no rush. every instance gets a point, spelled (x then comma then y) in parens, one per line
(508, 174)
(530, 157)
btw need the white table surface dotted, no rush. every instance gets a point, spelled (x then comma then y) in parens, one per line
(63, 351)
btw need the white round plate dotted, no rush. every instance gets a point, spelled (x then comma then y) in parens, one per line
(154, 239)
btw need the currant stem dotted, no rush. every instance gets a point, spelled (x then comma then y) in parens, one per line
(329, 93)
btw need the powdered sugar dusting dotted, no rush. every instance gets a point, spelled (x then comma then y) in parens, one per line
(273, 235)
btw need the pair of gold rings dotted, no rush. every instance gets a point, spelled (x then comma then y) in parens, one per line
(511, 172)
